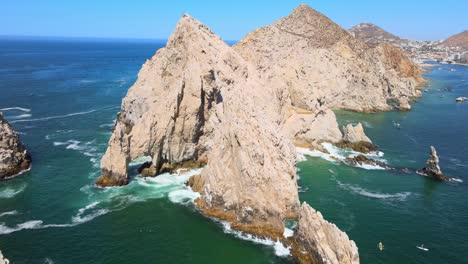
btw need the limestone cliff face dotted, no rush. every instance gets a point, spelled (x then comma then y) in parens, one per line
(197, 99)
(14, 157)
(320, 242)
(319, 63)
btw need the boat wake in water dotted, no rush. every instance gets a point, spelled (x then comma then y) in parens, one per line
(402, 196)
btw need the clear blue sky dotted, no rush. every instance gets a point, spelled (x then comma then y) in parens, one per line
(416, 19)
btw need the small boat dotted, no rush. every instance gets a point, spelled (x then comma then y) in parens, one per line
(461, 99)
(422, 247)
(380, 246)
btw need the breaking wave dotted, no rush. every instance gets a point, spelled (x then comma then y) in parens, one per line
(335, 154)
(280, 249)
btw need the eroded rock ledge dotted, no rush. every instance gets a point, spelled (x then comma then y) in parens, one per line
(14, 158)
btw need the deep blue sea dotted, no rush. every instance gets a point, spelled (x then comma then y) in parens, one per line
(63, 96)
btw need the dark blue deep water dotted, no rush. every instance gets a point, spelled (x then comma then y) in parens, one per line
(63, 96)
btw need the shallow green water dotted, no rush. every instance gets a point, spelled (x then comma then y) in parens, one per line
(54, 214)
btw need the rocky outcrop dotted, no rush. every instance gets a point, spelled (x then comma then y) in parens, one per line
(355, 134)
(354, 138)
(311, 62)
(308, 129)
(3, 260)
(432, 168)
(403, 104)
(320, 242)
(14, 157)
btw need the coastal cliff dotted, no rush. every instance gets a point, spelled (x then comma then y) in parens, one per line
(239, 111)
(14, 158)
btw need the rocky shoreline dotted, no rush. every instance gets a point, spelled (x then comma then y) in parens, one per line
(14, 157)
(240, 110)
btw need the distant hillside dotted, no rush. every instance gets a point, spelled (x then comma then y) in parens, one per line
(372, 34)
(459, 40)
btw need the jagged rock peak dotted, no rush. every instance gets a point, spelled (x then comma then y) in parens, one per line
(189, 30)
(432, 168)
(320, 242)
(306, 22)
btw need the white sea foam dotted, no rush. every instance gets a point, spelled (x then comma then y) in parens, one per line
(14, 212)
(456, 180)
(280, 249)
(183, 196)
(288, 232)
(16, 108)
(21, 116)
(335, 154)
(64, 116)
(376, 195)
(10, 192)
(84, 215)
(34, 224)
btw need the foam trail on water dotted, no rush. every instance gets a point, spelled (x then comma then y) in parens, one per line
(21, 116)
(376, 195)
(10, 192)
(14, 212)
(64, 116)
(16, 108)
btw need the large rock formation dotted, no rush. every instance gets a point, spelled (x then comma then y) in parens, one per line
(432, 168)
(238, 110)
(197, 99)
(320, 242)
(14, 157)
(313, 62)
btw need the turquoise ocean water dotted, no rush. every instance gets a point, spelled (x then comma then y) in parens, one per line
(63, 96)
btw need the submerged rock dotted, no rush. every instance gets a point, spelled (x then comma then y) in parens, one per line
(14, 158)
(432, 168)
(361, 160)
(317, 241)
